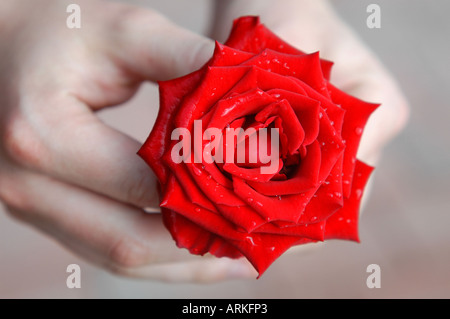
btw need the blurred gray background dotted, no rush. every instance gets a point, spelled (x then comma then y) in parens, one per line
(405, 225)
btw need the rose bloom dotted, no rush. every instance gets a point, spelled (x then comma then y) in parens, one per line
(233, 209)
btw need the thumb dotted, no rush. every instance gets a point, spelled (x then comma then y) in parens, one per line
(153, 47)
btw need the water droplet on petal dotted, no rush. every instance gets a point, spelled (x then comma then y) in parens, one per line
(358, 193)
(250, 239)
(197, 171)
(358, 131)
(249, 199)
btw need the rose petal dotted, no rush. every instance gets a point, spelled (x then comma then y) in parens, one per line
(237, 106)
(344, 223)
(356, 115)
(196, 239)
(327, 199)
(271, 208)
(306, 109)
(290, 123)
(305, 177)
(171, 93)
(306, 68)
(214, 84)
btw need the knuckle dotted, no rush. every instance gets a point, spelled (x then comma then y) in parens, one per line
(14, 213)
(21, 142)
(11, 195)
(138, 191)
(127, 253)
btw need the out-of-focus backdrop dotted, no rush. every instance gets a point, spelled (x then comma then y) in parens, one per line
(406, 222)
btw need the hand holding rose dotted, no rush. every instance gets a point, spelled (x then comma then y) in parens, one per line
(65, 172)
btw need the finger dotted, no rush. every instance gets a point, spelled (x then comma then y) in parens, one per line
(71, 144)
(201, 270)
(116, 236)
(388, 120)
(154, 47)
(106, 227)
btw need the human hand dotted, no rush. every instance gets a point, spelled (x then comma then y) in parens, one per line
(64, 171)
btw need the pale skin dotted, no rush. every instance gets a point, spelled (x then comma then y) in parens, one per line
(68, 174)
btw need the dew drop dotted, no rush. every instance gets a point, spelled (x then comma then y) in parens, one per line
(285, 65)
(259, 204)
(358, 193)
(250, 239)
(197, 171)
(197, 210)
(249, 199)
(279, 197)
(358, 131)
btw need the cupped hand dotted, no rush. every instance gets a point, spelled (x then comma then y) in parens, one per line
(63, 170)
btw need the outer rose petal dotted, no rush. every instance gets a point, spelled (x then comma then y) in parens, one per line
(249, 35)
(344, 223)
(196, 239)
(356, 116)
(171, 93)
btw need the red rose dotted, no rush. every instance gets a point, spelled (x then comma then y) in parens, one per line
(233, 208)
